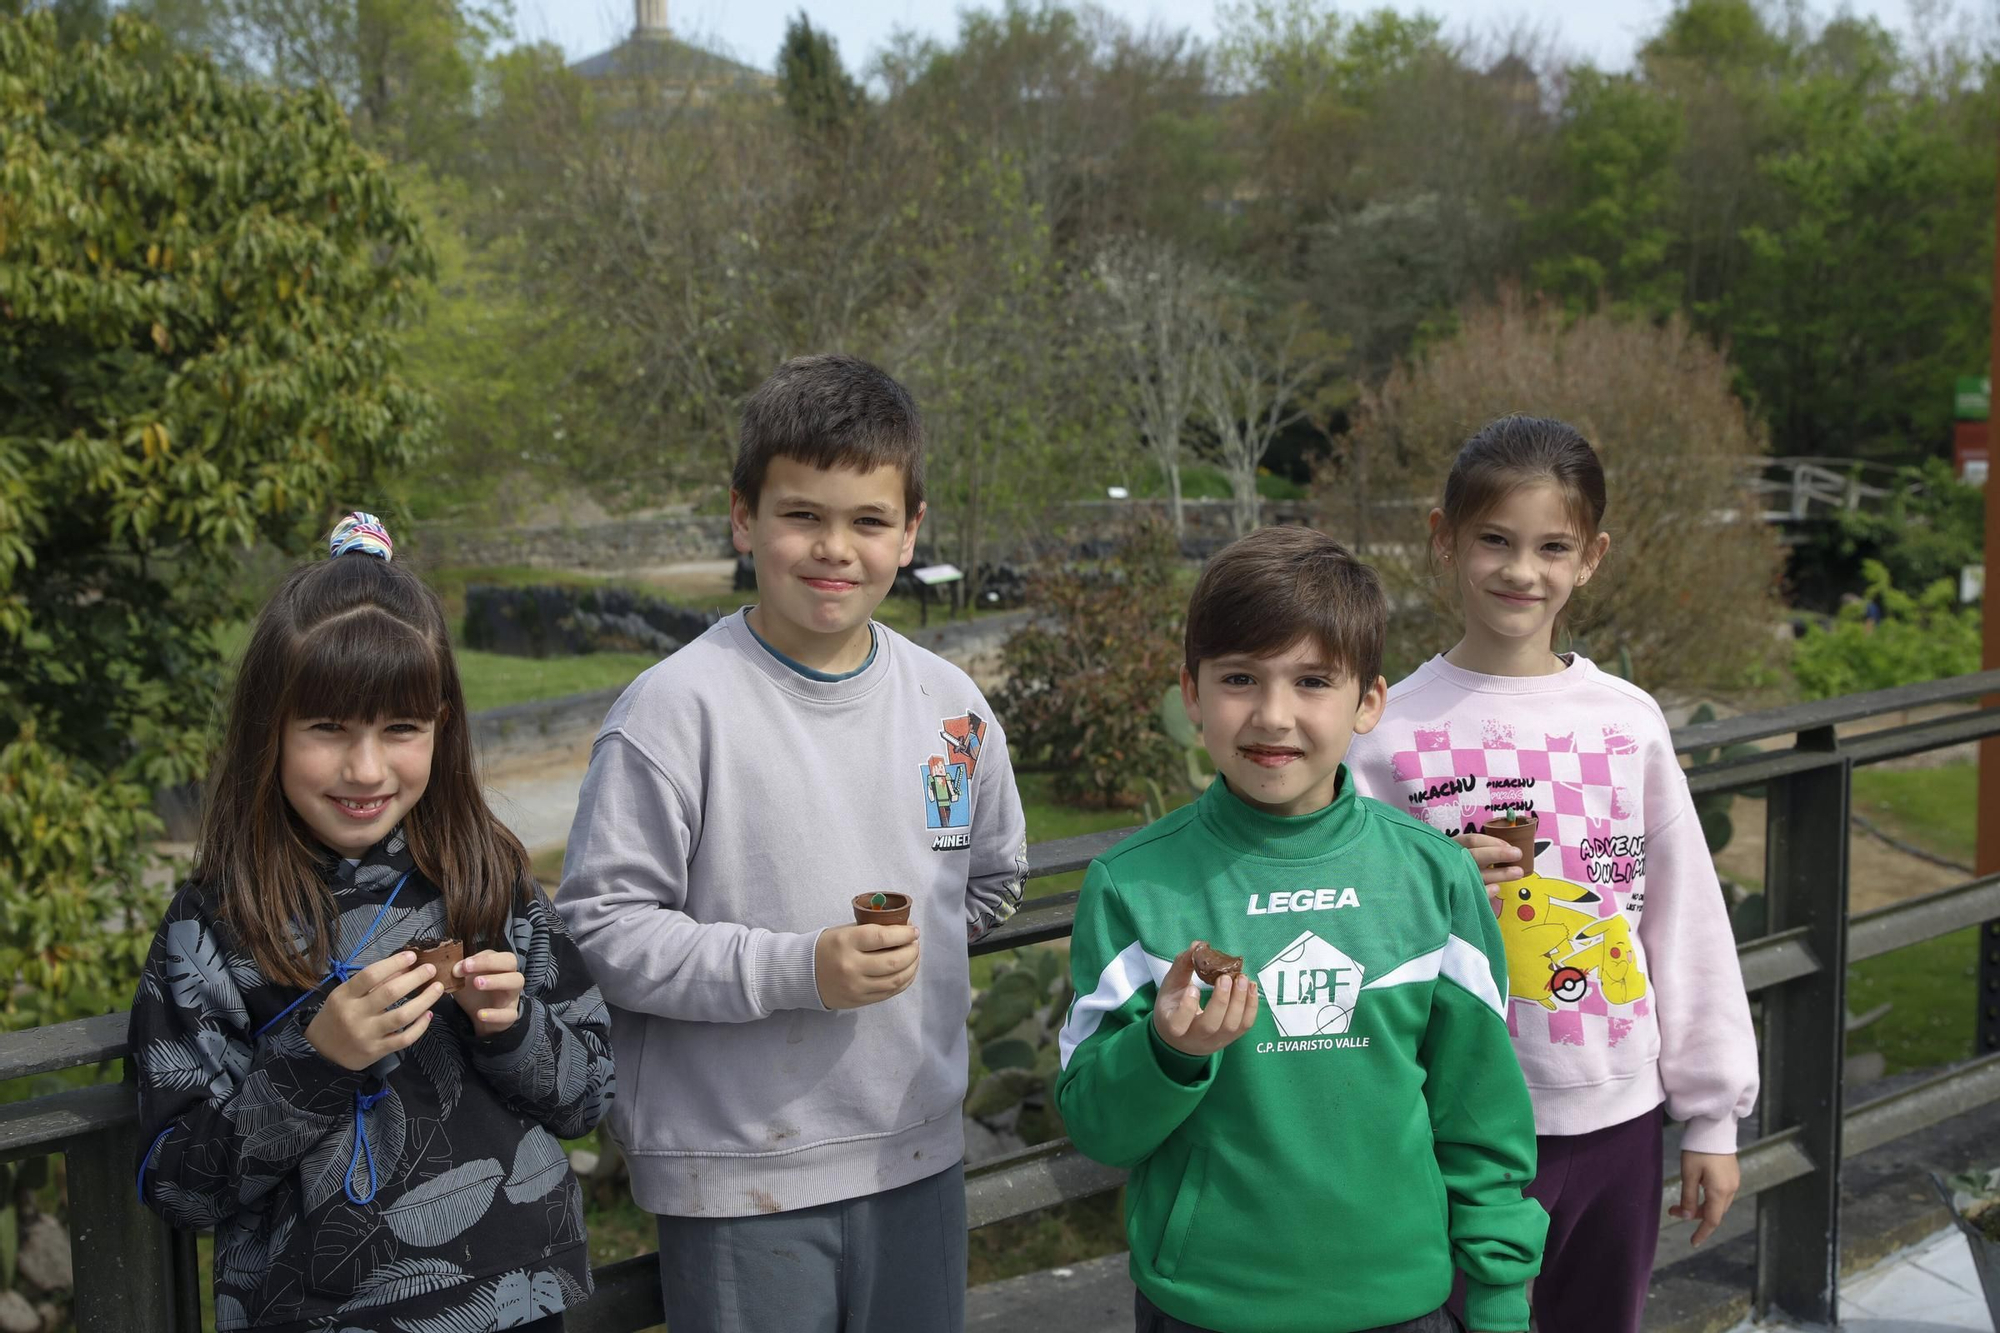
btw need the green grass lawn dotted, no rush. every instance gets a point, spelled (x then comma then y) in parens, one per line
(1933, 987)
(1932, 807)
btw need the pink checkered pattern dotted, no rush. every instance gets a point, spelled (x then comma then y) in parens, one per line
(1585, 790)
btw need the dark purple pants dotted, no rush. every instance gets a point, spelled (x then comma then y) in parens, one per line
(1601, 1191)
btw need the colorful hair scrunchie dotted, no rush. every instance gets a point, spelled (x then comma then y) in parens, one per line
(361, 532)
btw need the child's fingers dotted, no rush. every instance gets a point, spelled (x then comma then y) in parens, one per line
(368, 978)
(488, 961)
(1243, 1008)
(1690, 1196)
(390, 992)
(1181, 974)
(499, 981)
(1215, 1015)
(393, 1019)
(397, 1041)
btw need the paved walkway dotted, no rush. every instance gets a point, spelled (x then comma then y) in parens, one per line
(1929, 1288)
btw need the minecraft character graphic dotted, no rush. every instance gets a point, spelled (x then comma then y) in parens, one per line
(1536, 925)
(963, 738)
(1609, 954)
(944, 794)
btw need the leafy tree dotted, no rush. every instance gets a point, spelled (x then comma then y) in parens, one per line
(1931, 526)
(819, 93)
(1610, 232)
(407, 71)
(198, 286)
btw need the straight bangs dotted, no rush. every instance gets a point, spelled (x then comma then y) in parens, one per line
(1481, 490)
(364, 666)
(1268, 592)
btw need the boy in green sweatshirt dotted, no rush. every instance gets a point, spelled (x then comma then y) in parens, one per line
(1321, 1143)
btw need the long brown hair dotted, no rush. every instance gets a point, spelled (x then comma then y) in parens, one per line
(355, 638)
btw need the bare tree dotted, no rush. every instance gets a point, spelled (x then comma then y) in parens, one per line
(1253, 383)
(1158, 303)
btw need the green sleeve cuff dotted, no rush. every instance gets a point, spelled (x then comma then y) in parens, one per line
(1502, 1309)
(1184, 1069)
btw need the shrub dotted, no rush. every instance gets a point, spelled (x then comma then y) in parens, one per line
(1690, 588)
(1084, 680)
(1919, 638)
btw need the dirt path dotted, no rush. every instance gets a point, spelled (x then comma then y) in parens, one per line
(1877, 873)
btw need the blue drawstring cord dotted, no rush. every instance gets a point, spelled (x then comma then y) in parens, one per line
(339, 971)
(363, 1102)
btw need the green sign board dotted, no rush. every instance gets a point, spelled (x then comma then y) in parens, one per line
(1971, 397)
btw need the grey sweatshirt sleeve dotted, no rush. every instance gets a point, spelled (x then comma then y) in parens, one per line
(999, 870)
(624, 895)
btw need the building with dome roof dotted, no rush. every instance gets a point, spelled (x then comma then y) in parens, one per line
(654, 59)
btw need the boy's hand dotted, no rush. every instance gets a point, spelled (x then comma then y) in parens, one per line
(1709, 1181)
(364, 1019)
(491, 996)
(1181, 1021)
(857, 965)
(1499, 861)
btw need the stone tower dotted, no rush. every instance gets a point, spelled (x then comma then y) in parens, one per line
(651, 18)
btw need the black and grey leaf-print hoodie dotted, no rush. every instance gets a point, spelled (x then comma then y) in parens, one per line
(426, 1194)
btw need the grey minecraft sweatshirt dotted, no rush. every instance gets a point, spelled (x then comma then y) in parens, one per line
(732, 810)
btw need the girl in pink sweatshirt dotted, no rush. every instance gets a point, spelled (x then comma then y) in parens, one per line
(1624, 990)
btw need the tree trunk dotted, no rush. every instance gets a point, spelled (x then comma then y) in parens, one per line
(1172, 468)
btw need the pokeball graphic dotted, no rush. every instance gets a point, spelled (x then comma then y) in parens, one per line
(1567, 984)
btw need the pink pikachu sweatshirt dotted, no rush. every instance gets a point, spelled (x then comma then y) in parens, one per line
(1623, 985)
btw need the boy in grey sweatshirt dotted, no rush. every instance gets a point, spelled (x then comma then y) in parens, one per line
(790, 1081)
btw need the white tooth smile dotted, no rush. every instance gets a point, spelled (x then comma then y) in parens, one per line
(358, 806)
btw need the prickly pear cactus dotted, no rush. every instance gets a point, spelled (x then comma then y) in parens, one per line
(1015, 1058)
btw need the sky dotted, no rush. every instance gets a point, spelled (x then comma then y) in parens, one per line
(1605, 31)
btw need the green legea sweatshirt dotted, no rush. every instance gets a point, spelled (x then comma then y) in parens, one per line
(1372, 1130)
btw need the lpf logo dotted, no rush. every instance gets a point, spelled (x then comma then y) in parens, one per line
(1311, 988)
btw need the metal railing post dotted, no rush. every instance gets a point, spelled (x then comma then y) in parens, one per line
(1805, 886)
(134, 1273)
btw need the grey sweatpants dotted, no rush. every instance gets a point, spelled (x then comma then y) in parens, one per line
(894, 1260)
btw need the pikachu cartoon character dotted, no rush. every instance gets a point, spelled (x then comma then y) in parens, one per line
(1537, 923)
(1609, 954)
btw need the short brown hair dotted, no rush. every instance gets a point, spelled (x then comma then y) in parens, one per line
(1263, 593)
(831, 411)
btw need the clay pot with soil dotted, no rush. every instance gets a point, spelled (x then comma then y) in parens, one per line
(1517, 828)
(882, 909)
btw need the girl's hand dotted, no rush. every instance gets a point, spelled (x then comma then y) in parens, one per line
(1183, 1024)
(1498, 860)
(382, 1008)
(1709, 1181)
(491, 996)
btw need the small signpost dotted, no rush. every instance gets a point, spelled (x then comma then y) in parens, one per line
(935, 576)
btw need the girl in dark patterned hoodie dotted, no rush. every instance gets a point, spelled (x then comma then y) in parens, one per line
(373, 1156)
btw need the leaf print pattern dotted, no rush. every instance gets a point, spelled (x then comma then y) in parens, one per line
(444, 1064)
(403, 1279)
(260, 1129)
(520, 1298)
(441, 1209)
(474, 1316)
(198, 974)
(174, 1065)
(539, 1166)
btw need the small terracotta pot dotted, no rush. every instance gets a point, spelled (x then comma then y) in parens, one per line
(444, 955)
(1520, 835)
(893, 909)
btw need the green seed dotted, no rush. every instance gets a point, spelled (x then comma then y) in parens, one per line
(878, 901)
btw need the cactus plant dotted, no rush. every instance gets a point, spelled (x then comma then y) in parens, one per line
(1014, 1025)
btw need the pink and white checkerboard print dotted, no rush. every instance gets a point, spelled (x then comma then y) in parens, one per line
(1584, 793)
